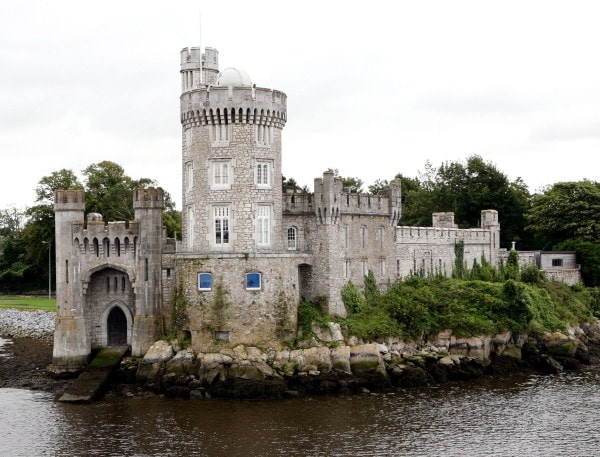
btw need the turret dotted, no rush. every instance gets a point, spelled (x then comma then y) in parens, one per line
(194, 64)
(71, 342)
(489, 221)
(232, 198)
(148, 207)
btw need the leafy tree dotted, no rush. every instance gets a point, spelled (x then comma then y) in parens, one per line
(61, 179)
(109, 191)
(588, 255)
(565, 211)
(378, 186)
(353, 184)
(466, 189)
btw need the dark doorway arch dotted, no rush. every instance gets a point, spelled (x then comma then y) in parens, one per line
(116, 326)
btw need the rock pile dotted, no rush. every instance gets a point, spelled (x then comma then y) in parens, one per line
(29, 324)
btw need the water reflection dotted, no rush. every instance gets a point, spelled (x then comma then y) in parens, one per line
(536, 416)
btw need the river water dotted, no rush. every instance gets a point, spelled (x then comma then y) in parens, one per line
(523, 416)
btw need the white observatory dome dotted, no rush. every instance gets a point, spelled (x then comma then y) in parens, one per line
(234, 77)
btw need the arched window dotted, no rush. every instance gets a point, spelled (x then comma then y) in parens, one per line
(118, 246)
(106, 247)
(96, 247)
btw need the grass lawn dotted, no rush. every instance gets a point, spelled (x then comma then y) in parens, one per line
(27, 302)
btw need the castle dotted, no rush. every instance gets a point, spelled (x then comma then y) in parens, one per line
(250, 251)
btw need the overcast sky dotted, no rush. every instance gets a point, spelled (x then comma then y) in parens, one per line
(374, 88)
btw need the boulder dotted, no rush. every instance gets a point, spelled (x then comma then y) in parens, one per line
(340, 359)
(328, 333)
(318, 357)
(161, 351)
(366, 359)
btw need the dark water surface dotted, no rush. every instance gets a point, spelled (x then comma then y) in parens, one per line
(533, 416)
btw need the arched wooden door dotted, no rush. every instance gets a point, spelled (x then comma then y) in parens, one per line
(116, 326)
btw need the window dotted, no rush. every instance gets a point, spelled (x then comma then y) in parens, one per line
(146, 269)
(346, 269)
(253, 281)
(292, 238)
(221, 174)
(264, 224)
(264, 135)
(381, 268)
(190, 227)
(118, 246)
(189, 171)
(221, 224)
(221, 134)
(263, 174)
(557, 262)
(365, 268)
(363, 236)
(381, 236)
(204, 281)
(346, 233)
(106, 247)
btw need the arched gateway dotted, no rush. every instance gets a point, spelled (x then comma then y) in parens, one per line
(116, 327)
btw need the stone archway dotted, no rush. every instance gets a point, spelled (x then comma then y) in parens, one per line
(116, 327)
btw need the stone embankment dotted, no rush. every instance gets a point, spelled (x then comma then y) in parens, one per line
(26, 324)
(329, 364)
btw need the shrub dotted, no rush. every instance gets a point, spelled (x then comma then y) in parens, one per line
(371, 289)
(353, 299)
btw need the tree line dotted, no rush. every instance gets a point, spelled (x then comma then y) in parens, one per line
(563, 216)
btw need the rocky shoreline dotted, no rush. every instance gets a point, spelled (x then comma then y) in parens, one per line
(331, 365)
(15, 323)
(326, 364)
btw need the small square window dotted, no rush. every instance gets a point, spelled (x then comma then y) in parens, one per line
(204, 281)
(557, 262)
(253, 281)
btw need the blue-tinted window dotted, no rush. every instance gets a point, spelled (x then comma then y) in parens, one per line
(253, 281)
(204, 281)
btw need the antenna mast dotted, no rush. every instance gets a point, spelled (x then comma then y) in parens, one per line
(200, 45)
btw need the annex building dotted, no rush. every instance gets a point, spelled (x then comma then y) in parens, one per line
(250, 249)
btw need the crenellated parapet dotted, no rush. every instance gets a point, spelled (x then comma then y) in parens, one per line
(218, 105)
(441, 235)
(149, 198)
(298, 203)
(331, 200)
(69, 200)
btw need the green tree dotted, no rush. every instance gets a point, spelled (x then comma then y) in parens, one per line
(353, 184)
(565, 211)
(61, 179)
(588, 255)
(466, 189)
(109, 191)
(378, 186)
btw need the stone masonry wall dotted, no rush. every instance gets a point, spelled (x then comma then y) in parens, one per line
(231, 314)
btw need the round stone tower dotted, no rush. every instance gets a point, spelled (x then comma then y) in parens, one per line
(232, 197)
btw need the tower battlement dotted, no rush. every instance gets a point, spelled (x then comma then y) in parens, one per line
(152, 197)
(331, 200)
(239, 105)
(69, 200)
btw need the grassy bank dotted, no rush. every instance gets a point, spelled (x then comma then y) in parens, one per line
(27, 302)
(419, 307)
